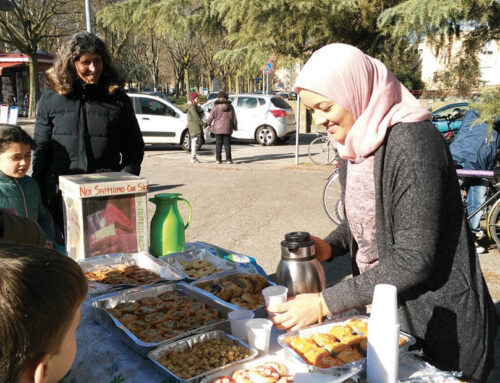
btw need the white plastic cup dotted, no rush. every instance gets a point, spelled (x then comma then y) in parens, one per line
(259, 333)
(275, 295)
(238, 320)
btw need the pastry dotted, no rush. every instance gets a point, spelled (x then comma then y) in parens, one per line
(252, 299)
(144, 310)
(263, 374)
(128, 307)
(235, 290)
(167, 325)
(137, 326)
(242, 376)
(260, 281)
(127, 318)
(177, 314)
(223, 379)
(352, 340)
(190, 322)
(327, 361)
(155, 318)
(281, 368)
(167, 306)
(359, 326)
(302, 345)
(340, 332)
(241, 303)
(193, 307)
(151, 335)
(349, 355)
(328, 342)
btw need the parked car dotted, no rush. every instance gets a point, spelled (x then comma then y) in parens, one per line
(161, 122)
(160, 94)
(264, 118)
(448, 118)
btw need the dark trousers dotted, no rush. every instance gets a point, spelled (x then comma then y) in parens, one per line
(226, 139)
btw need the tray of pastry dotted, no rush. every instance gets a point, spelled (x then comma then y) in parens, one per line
(197, 263)
(190, 359)
(338, 347)
(149, 316)
(268, 368)
(235, 290)
(112, 272)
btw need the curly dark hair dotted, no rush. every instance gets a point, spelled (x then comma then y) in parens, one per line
(13, 133)
(81, 42)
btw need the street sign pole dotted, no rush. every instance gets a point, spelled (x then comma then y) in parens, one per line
(88, 15)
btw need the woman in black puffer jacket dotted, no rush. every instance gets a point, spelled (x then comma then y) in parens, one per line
(85, 123)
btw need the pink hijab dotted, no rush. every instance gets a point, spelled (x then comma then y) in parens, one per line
(366, 88)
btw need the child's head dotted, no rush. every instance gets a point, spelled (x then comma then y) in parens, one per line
(15, 150)
(41, 292)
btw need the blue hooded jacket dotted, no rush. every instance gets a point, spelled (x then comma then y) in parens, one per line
(473, 148)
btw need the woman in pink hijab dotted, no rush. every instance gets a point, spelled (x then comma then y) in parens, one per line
(404, 223)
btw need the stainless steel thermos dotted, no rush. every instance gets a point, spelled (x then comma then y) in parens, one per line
(299, 269)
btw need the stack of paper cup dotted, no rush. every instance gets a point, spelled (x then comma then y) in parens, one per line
(383, 336)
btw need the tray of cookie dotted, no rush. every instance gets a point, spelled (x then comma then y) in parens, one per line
(265, 369)
(197, 263)
(338, 347)
(112, 272)
(235, 290)
(190, 359)
(145, 317)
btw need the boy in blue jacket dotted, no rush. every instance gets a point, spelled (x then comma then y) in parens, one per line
(19, 193)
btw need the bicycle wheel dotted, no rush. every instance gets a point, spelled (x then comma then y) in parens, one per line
(321, 151)
(493, 223)
(332, 199)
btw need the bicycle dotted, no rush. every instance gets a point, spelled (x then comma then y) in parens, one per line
(322, 150)
(332, 197)
(491, 205)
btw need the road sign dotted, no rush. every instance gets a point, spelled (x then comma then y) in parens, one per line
(269, 67)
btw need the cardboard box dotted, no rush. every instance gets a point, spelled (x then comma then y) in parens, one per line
(104, 213)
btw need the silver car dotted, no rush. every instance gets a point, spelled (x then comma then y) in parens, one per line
(264, 118)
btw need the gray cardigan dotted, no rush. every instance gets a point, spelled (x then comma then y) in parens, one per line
(426, 250)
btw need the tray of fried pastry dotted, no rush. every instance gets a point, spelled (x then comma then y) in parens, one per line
(198, 263)
(149, 316)
(235, 290)
(190, 359)
(338, 347)
(111, 272)
(265, 369)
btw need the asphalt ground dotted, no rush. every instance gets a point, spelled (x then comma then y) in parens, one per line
(249, 206)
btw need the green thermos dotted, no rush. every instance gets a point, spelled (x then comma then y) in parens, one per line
(167, 227)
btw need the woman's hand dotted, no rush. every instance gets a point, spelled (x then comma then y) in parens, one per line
(323, 249)
(299, 311)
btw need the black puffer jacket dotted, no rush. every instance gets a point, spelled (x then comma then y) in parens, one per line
(90, 130)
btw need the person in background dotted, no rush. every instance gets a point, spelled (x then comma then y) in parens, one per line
(404, 221)
(18, 191)
(195, 117)
(85, 123)
(41, 294)
(224, 121)
(474, 148)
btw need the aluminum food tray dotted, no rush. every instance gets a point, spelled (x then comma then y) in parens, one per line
(184, 344)
(144, 260)
(175, 260)
(199, 284)
(292, 366)
(111, 300)
(346, 370)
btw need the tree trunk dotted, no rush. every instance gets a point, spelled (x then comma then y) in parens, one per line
(186, 77)
(34, 84)
(237, 84)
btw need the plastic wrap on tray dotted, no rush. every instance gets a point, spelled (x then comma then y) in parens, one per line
(210, 287)
(347, 368)
(290, 367)
(145, 261)
(198, 263)
(102, 304)
(187, 345)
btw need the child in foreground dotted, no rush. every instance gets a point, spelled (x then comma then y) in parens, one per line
(19, 192)
(41, 293)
